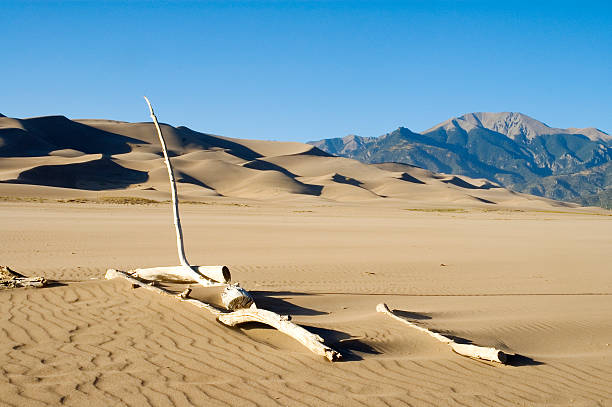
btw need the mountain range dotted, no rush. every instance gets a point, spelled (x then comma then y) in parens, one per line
(508, 148)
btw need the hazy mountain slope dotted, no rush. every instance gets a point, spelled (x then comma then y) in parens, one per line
(509, 148)
(57, 157)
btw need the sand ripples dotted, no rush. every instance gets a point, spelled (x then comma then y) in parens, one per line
(98, 343)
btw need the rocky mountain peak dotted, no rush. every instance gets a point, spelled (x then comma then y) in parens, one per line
(515, 125)
(508, 148)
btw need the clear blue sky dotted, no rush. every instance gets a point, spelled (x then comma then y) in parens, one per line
(307, 70)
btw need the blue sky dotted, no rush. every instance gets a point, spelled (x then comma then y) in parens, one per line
(307, 70)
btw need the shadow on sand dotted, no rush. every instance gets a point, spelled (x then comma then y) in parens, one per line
(276, 301)
(54, 283)
(348, 346)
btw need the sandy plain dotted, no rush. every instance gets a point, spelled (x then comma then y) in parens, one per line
(533, 282)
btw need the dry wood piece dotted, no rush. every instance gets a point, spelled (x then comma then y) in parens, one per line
(234, 297)
(184, 271)
(282, 323)
(175, 211)
(12, 279)
(34, 282)
(252, 314)
(469, 350)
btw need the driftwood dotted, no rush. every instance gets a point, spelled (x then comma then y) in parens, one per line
(175, 211)
(239, 304)
(469, 350)
(282, 323)
(235, 297)
(204, 275)
(12, 279)
(34, 282)
(240, 316)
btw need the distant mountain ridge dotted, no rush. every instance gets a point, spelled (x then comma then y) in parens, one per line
(508, 148)
(516, 125)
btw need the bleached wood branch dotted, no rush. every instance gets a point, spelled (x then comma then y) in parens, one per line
(235, 297)
(240, 316)
(219, 275)
(282, 323)
(469, 350)
(201, 275)
(175, 209)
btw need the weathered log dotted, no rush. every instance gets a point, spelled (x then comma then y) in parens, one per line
(235, 297)
(205, 275)
(253, 314)
(185, 272)
(469, 350)
(12, 279)
(479, 352)
(33, 282)
(308, 339)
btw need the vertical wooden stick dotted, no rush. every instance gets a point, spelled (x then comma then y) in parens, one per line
(177, 220)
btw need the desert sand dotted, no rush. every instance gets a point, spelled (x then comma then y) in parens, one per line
(533, 283)
(320, 238)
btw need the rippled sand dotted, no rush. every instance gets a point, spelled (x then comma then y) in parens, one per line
(534, 283)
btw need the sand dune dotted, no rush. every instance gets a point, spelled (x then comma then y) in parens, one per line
(118, 158)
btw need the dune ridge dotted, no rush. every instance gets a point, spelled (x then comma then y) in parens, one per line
(105, 157)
